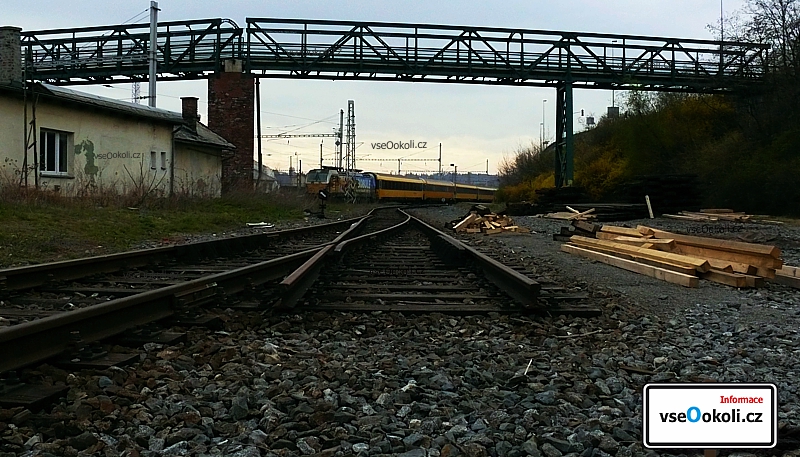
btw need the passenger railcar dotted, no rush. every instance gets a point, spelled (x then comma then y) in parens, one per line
(381, 186)
(398, 188)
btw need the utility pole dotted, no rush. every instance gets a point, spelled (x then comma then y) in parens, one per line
(398, 167)
(440, 159)
(487, 166)
(320, 153)
(340, 143)
(350, 151)
(153, 53)
(258, 131)
(544, 135)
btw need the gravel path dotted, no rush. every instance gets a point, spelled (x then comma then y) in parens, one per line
(425, 386)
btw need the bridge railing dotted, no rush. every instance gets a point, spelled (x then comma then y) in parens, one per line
(379, 50)
(326, 49)
(92, 54)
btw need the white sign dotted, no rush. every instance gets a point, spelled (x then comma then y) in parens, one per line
(710, 415)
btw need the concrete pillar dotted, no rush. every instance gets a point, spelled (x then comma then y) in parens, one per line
(10, 56)
(231, 106)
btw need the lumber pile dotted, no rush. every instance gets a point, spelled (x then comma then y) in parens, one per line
(571, 214)
(682, 259)
(488, 224)
(712, 215)
(725, 215)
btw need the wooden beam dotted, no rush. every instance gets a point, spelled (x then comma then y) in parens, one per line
(644, 230)
(461, 226)
(709, 253)
(664, 245)
(698, 264)
(729, 279)
(578, 215)
(625, 231)
(787, 270)
(655, 272)
(790, 281)
(721, 245)
(687, 270)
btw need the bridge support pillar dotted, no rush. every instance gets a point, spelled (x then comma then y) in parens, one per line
(231, 107)
(564, 142)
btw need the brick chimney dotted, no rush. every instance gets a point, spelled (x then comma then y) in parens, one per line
(189, 112)
(10, 56)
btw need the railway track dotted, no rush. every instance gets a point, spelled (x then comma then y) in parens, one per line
(388, 261)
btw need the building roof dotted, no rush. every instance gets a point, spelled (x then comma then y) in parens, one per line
(118, 106)
(182, 132)
(201, 135)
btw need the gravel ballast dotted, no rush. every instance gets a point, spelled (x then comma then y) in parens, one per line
(430, 385)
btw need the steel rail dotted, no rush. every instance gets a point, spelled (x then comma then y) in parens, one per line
(35, 341)
(520, 287)
(37, 275)
(294, 286)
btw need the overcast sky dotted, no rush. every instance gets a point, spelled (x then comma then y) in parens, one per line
(473, 123)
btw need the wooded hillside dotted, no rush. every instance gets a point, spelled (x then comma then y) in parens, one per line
(744, 148)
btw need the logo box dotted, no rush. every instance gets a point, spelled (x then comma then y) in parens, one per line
(710, 415)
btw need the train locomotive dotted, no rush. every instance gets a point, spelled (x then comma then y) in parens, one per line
(366, 186)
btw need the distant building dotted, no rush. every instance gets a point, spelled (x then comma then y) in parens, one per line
(292, 179)
(268, 182)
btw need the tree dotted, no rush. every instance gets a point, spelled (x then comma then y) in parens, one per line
(772, 22)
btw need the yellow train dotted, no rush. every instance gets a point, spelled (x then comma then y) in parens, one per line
(380, 186)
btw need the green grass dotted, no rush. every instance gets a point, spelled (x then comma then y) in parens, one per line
(40, 227)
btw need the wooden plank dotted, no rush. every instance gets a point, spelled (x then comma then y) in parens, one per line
(707, 253)
(722, 245)
(461, 226)
(716, 210)
(687, 270)
(625, 231)
(681, 217)
(729, 279)
(655, 272)
(579, 215)
(677, 259)
(766, 272)
(644, 230)
(585, 226)
(573, 210)
(492, 231)
(790, 281)
(473, 230)
(664, 245)
(790, 271)
(732, 267)
(754, 281)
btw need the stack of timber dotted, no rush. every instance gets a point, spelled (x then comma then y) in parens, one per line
(571, 215)
(710, 215)
(488, 224)
(680, 259)
(606, 212)
(580, 228)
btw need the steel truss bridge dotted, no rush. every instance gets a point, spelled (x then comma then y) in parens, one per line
(349, 50)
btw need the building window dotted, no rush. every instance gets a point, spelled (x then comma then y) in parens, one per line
(163, 160)
(53, 151)
(153, 155)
